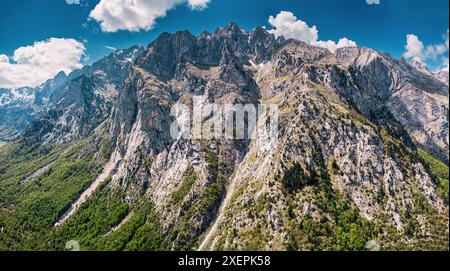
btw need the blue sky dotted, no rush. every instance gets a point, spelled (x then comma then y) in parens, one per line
(383, 27)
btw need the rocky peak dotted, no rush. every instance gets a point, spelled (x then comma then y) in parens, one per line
(61, 76)
(50, 90)
(383, 82)
(259, 33)
(399, 73)
(420, 66)
(228, 57)
(163, 55)
(442, 76)
(231, 30)
(116, 66)
(263, 45)
(82, 100)
(357, 56)
(168, 50)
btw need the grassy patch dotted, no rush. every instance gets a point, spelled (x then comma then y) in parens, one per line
(189, 179)
(204, 204)
(440, 170)
(29, 210)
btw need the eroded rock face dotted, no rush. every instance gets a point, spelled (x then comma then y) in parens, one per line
(341, 118)
(421, 67)
(321, 142)
(442, 76)
(20, 107)
(415, 98)
(76, 106)
(169, 50)
(153, 162)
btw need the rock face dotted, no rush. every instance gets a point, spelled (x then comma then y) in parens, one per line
(15, 113)
(345, 168)
(83, 101)
(20, 107)
(416, 100)
(349, 126)
(440, 75)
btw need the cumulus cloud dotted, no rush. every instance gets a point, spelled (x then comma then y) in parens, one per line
(198, 4)
(73, 2)
(136, 15)
(445, 65)
(286, 24)
(4, 59)
(333, 46)
(416, 49)
(32, 65)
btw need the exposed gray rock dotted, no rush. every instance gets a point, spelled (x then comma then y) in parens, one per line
(343, 110)
(82, 102)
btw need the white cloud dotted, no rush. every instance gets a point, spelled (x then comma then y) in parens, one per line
(73, 2)
(333, 46)
(136, 15)
(4, 59)
(198, 4)
(445, 66)
(286, 24)
(415, 49)
(32, 65)
(446, 40)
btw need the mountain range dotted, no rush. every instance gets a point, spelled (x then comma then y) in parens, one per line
(362, 151)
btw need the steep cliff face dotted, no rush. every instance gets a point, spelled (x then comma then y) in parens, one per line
(421, 67)
(415, 99)
(154, 163)
(349, 125)
(20, 107)
(442, 76)
(83, 101)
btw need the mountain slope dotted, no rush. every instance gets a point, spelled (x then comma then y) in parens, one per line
(309, 83)
(20, 108)
(347, 167)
